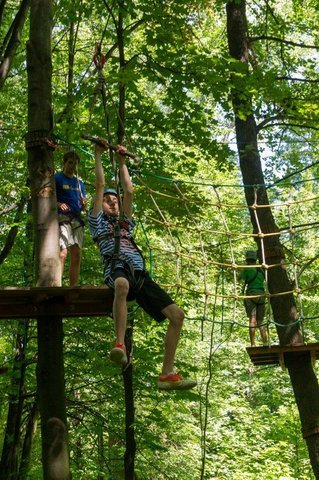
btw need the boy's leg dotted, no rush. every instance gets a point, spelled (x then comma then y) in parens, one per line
(121, 289)
(75, 262)
(263, 334)
(170, 380)
(63, 255)
(252, 330)
(260, 318)
(175, 316)
(65, 233)
(159, 305)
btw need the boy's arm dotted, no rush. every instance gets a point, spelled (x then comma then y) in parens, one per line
(126, 183)
(82, 193)
(99, 179)
(62, 206)
(242, 275)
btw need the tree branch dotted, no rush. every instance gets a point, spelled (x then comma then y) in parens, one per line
(281, 40)
(13, 230)
(292, 79)
(17, 26)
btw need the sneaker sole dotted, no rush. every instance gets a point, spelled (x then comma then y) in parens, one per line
(182, 385)
(118, 356)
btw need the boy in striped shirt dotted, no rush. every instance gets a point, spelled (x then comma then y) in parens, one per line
(124, 270)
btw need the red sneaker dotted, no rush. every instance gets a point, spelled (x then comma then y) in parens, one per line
(175, 381)
(118, 354)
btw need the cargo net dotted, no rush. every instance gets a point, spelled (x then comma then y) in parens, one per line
(197, 234)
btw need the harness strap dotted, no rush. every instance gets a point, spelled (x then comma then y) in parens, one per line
(136, 283)
(116, 251)
(72, 216)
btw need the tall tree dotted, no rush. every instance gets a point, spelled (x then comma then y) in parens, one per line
(301, 372)
(12, 40)
(50, 368)
(10, 451)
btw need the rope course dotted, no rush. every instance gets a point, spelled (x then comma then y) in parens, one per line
(197, 267)
(202, 228)
(205, 230)
(193, 237)
(217, 247)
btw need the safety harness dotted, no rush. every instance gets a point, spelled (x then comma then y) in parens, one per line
(136, 281)
(70, 217)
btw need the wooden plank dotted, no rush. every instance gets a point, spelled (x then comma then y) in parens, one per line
(35, 302)
(275, 355)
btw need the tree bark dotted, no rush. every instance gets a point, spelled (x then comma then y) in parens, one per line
(303, 379)
(28, 441)
(10, 449)
(100, 448)
(13, 230)
(2, 5)
(70, 85)
(50, 368)
(122, 90)
(14, 41)
(11, 445)
(50, 379)
(130, 443)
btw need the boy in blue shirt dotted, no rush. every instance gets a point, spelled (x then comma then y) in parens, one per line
(71, 200)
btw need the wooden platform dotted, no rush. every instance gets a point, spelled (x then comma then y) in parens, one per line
(275, 354)
(34, 302)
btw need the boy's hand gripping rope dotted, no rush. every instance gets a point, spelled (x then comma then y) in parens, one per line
(104, 143)
(99, 58)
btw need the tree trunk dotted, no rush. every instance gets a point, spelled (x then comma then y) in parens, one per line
(10, 449)
(11, 445)
(130, 443)
(13, 42)
(122, 89)
(101, 461)
(28, 441)
(2, 5)
(130, 450)
(50, 368)
(303, 379)
(50, 378)
(13, 230)
(70, 85)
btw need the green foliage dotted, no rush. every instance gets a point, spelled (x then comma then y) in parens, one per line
(241, 422)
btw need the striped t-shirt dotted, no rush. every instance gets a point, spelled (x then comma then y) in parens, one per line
(102, 230)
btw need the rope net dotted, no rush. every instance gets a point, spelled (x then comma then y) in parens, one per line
(200, 231)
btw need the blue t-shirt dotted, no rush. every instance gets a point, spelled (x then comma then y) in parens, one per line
(101, 228)
(70, 191)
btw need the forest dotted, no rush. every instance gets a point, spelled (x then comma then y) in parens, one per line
(219, 100)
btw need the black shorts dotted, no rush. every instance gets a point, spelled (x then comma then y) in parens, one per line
(255, 307)
(151, 297)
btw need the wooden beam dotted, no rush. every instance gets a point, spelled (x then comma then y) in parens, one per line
(38, 302)
(275, 354)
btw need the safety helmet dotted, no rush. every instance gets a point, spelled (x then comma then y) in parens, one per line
(110, 191)
(251, 255)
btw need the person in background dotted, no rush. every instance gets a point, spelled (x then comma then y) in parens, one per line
(71, 201)
(255, 307)
(124, 271)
